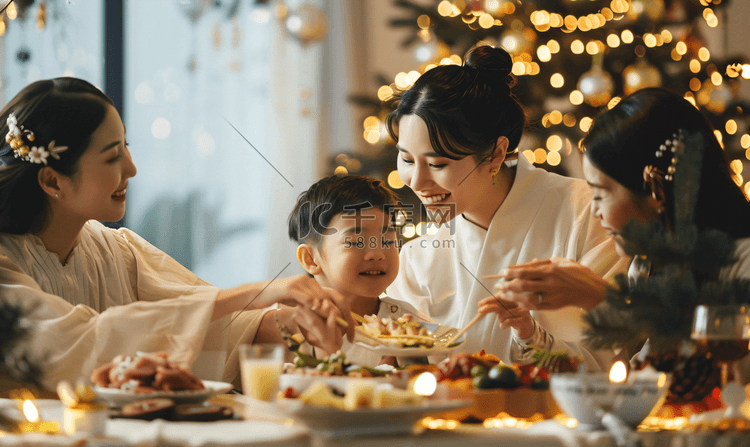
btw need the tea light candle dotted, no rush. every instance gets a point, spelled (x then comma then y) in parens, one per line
(33, 424)
(82, 413)
(85, 418)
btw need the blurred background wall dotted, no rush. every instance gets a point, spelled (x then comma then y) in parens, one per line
(234, 107)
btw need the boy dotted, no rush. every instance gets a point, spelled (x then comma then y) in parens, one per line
(347, 242)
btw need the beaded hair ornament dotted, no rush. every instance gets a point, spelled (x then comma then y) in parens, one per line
(34, 154)
(654, 178)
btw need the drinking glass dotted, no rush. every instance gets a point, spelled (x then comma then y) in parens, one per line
(723, 331)
(260, 366)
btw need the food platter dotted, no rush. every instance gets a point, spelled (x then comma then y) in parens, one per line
(333, 422)
(436, 330)
(301, 382)
(116, 397)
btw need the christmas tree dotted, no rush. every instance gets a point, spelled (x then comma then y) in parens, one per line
(573, 59)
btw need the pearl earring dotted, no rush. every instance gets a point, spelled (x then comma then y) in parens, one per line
(494, 172)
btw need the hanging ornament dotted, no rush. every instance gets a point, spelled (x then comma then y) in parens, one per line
(308, 23)
(427, 48)
(193, 9)
(41, 16)
(597, 86)
(23, 55)
(651, 10)
(639, 76)
(22, 8)
(514, 42)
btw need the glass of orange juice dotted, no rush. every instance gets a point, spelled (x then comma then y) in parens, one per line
(260, 366)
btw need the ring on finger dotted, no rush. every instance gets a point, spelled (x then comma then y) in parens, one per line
(539, 294)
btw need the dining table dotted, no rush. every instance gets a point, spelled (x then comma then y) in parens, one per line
(258, 423)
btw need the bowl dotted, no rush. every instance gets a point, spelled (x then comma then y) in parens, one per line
(583, 396)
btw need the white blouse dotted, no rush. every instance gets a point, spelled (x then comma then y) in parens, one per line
(117, 294)
(544, 215)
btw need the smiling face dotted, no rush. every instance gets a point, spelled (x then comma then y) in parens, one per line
(445, 186)
(614, 205)
(97, 189)
(359, 258)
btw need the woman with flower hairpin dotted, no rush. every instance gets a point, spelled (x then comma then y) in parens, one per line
(630, 157)
(93, 292)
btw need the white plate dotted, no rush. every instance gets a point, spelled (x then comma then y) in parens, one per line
(117, 398)
(435, 329)
(331, 422)
(301, 382)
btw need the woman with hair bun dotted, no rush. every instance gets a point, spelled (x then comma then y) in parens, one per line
(458, 129)
(92, 292)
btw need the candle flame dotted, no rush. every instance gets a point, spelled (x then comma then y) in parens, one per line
(618, 373)
(425, 384)
(30, 411)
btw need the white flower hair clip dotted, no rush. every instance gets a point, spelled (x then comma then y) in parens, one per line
(34, 154)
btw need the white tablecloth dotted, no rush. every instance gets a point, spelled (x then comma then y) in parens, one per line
(264, 427)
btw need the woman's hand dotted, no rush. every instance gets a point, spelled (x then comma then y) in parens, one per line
(312, 299)
(561, 282)
(509, 314)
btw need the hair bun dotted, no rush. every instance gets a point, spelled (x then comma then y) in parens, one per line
(495, 64)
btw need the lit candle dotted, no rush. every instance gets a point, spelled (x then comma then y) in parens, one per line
(618, 373)
(82, 413)
(32, 423)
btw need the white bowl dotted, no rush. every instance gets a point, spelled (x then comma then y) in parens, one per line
(583, 396)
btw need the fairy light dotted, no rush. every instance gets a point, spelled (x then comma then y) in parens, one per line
(626, 36)
(534, 69)
(695, 84)
(592, 48)
(571, 23)
(543, 53)
(412, 77)
(555, 117)
(529, 154)
(394, 180)
(649, 40)
(585, 123)
(554, 46)
(695, 66)
(540, 156)
(554, 158)
(613, 40)
(745, 142)
(554, 143)
(569, 120)
(492, 6)
(518, 68)
(577, 47)
(613, 102)
(746, 71)
(717, 79)
(576, 97)
(385, 92)
(340, 170)
(445, 8)
(731, 127)
(681, 48)
(704, 54)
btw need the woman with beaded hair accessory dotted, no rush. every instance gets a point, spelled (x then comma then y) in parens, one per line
(458, 129)
(630, 157)
(93, 292)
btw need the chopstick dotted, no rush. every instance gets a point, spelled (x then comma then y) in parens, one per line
(493, 277)
(466, 328)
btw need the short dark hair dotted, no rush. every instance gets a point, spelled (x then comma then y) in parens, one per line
(624, 140)
(466, 107)
(334, 195)
(66, 110)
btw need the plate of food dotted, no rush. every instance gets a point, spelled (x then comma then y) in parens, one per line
(405, 337)
(130, 378)
(365, 409)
